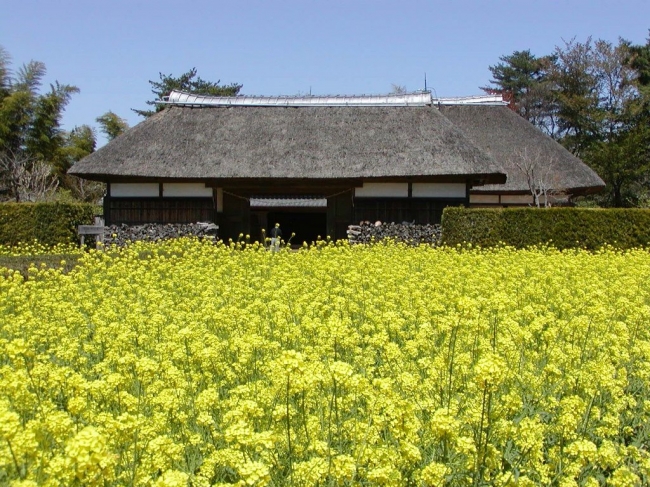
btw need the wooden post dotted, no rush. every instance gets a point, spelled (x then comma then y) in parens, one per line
(96, 230)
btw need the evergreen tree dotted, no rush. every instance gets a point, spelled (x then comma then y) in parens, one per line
(639, 60)
(30, 130)
(189, 83)
(522, 79)
(45, 138)
(112, 125)
(596, 100)
(593, 97)
(80, 142)
(639, 110)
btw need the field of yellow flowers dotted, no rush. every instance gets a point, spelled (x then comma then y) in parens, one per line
(188, 363)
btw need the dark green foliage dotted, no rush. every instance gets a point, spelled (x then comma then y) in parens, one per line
(639, 118)
(45, 138)
(30, 121)
(589, 228)
(522, 78)
(81, 141)
(49, 223)
(30, 125)
(189, 83)
(639, 60)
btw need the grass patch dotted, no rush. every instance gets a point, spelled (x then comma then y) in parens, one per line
(23, 262)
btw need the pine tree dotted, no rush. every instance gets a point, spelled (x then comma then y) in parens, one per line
(189, 83)
(522, 79)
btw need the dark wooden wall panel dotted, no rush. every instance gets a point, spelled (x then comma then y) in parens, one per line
(339, 215)
(136, 211)
(235, 220)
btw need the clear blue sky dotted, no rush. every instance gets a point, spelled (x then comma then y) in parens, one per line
(110, 49)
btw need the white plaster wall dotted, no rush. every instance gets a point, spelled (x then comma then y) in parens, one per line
(516, 199)
(186, 189)
(484, 198)
(439, 190)
(134, 189)
(382, 190)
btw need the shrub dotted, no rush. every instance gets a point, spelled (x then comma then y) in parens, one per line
(48, 223)
(589, 228)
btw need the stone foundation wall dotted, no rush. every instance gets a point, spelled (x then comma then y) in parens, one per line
(403, 232)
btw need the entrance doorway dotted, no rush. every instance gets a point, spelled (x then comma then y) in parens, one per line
(304, 216)
(307, 225)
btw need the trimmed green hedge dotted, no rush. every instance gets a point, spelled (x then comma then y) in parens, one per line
(49, 223)
(589, 228)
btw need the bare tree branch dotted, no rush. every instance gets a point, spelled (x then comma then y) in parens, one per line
(541, 179)
(85, 190)
(27, 179)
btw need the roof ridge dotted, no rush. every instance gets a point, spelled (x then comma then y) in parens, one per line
(472, 100)
(415, 98)
(418, 98)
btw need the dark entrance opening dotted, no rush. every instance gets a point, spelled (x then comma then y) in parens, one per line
(307, 225)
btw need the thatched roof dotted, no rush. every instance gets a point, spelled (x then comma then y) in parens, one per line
(507, 137)
(297, 142)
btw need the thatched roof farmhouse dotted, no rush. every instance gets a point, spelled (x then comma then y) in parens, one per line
(314, 164)
(522, 150)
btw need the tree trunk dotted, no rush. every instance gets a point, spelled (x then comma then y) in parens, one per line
(618, 198)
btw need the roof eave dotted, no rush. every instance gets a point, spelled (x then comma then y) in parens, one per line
(474, 179)
(580, 191)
